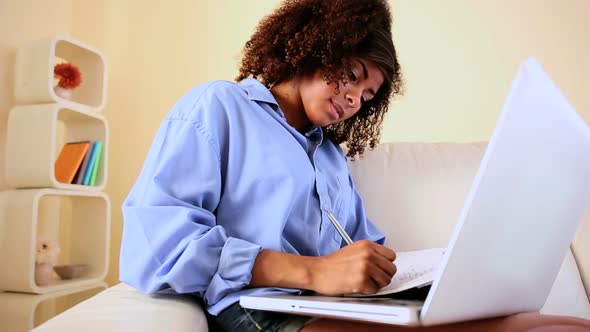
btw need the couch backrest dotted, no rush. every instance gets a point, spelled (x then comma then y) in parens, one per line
(414, 192)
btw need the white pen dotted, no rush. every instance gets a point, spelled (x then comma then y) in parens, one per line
(339, 228)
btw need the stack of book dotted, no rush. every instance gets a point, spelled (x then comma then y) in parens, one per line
(78, 162)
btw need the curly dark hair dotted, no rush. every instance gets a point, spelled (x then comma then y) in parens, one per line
(302, 36)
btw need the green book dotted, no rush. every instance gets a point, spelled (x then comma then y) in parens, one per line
(96, 163)
(89, 165)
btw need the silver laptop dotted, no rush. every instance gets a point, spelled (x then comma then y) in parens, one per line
(520, 215)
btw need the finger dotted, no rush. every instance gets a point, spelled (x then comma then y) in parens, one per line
(388, 253)
(385, 265)
(369, 286)
(380, 278)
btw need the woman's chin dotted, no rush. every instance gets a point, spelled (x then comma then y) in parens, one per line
(323, 123)
(325, 120)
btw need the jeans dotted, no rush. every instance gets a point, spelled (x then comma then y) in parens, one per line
(236, 318)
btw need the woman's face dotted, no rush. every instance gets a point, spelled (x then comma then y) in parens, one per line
(321, 104)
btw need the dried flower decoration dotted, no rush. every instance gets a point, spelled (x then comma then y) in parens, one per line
(69, 75)
(47, 251)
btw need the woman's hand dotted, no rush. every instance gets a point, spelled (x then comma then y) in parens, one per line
(362, 267)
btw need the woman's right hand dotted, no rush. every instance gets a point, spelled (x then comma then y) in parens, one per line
(362, 267)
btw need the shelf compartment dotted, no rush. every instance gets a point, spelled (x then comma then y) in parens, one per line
(22, 312)
(34, 80)
(35, 137)
(78, 220)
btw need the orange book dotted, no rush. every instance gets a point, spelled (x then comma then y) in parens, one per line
(69, 161)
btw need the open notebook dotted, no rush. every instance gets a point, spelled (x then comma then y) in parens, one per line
(414, 269)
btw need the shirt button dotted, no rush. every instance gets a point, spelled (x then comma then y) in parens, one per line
(325, 207)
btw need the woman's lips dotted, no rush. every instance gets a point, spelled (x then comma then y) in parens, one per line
(337, 110)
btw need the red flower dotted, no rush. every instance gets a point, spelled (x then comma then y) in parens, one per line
(68, 74)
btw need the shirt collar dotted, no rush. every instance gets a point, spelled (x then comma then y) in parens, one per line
(257, 91)
(315, 134)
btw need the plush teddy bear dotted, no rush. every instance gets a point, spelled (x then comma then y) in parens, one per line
(45, 258)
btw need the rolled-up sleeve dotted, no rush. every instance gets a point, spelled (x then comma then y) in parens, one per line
(170, 235)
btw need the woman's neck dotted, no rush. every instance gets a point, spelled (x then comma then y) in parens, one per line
(289, 99)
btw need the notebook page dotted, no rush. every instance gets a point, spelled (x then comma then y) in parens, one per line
(414, 269)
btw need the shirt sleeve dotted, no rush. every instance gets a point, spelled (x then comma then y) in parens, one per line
(170, 236)
(362, 228)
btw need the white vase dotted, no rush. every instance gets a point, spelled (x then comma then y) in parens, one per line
(43, 274)
(62, 92)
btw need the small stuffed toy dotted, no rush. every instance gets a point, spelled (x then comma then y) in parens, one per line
(45, 258)
(69, 77)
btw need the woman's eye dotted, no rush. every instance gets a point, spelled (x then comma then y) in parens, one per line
(352, 76)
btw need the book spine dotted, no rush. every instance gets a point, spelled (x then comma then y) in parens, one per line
(88, 172)
(80, 174)
(96, 163)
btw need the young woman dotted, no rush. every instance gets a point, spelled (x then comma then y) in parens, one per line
(235, 193)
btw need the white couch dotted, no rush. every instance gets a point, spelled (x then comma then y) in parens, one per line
(412, 191)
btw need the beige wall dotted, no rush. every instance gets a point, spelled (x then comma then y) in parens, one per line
(458, 56)
(22, 21)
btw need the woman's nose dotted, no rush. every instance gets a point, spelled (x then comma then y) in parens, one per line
(353, 98)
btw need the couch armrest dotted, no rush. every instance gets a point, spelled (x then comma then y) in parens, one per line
(123, 308)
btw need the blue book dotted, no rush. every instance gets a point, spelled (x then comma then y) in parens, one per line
(88, 171)
(96, 163)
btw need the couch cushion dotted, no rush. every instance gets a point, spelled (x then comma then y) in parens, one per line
(414, 192)
(581, 249)
(123, 308)
(567, 296)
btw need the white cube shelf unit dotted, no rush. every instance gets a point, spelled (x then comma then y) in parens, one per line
(78, 220)
(34, 79)
(20, 312)
(34, 140)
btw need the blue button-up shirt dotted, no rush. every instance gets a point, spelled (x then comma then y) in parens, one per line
(227, 176)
